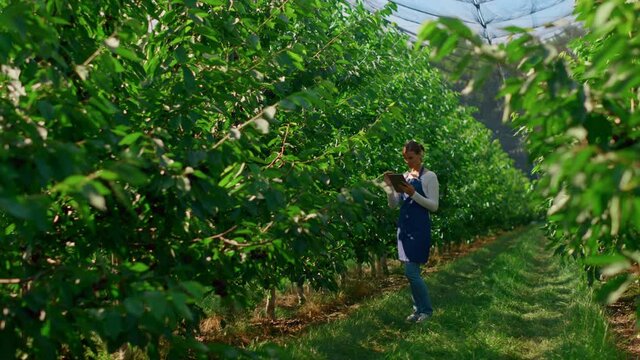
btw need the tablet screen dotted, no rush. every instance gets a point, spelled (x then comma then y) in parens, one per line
(396, 180)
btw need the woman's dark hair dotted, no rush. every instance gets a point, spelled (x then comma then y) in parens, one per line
(414, 146)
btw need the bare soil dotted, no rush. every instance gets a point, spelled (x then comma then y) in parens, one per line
(622, 322)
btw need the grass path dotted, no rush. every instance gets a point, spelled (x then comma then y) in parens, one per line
(509, 300)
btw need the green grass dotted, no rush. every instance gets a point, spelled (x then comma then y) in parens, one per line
(510, 300)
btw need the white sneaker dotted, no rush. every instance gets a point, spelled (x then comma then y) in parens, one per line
(422, 317)
(412, 317)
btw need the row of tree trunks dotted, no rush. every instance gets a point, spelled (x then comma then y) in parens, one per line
(378, 267)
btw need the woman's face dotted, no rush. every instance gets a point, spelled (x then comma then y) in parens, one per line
(412, 159)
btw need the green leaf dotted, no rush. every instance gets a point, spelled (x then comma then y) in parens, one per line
(179, 301)
(129, 173)
(130, 139)
(134, 306)
(614, 288)
(194, 288)
(601, 260)
(181, 55)
(157, 304)
(126, 53)
(45, 330)
(107, 175)
(458, 27)
(15, 208)
(254, 41)
(295, 57)
(189, 80)
(603, 13)
(112, 324)
(214, 2)
(9, 229)
(599, 130)
(139, 267)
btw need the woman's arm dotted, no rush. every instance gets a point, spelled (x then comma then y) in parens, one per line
(393, 198)
(431, 188)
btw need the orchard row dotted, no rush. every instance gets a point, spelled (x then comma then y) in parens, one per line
(154, 152)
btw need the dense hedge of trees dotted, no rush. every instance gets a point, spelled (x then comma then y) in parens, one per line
(153, 152)
(579, 109)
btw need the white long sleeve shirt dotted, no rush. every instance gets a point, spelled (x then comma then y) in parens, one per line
(430, 187)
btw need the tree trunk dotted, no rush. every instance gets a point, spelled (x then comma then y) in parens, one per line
(374, 266)
(342, 278)
(271, 304)
(300, 292)
(359, 270)
(385, 265)
(383, 269)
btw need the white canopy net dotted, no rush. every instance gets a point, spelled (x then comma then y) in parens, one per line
(488, 18)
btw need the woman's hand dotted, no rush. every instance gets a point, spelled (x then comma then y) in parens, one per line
(407, 189)
(386, 178)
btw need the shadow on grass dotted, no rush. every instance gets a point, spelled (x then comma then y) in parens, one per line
(509, 300)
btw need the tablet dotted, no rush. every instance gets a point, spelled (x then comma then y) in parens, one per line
(396, 180)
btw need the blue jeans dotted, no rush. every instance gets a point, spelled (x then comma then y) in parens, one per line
(419, 291)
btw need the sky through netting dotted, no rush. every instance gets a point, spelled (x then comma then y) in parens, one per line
(487, 18)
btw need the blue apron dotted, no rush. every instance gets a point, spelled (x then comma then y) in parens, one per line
(414, 226)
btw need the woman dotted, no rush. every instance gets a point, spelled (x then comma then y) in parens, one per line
(418, 197)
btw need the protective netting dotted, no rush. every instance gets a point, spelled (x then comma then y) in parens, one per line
(487, 18)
